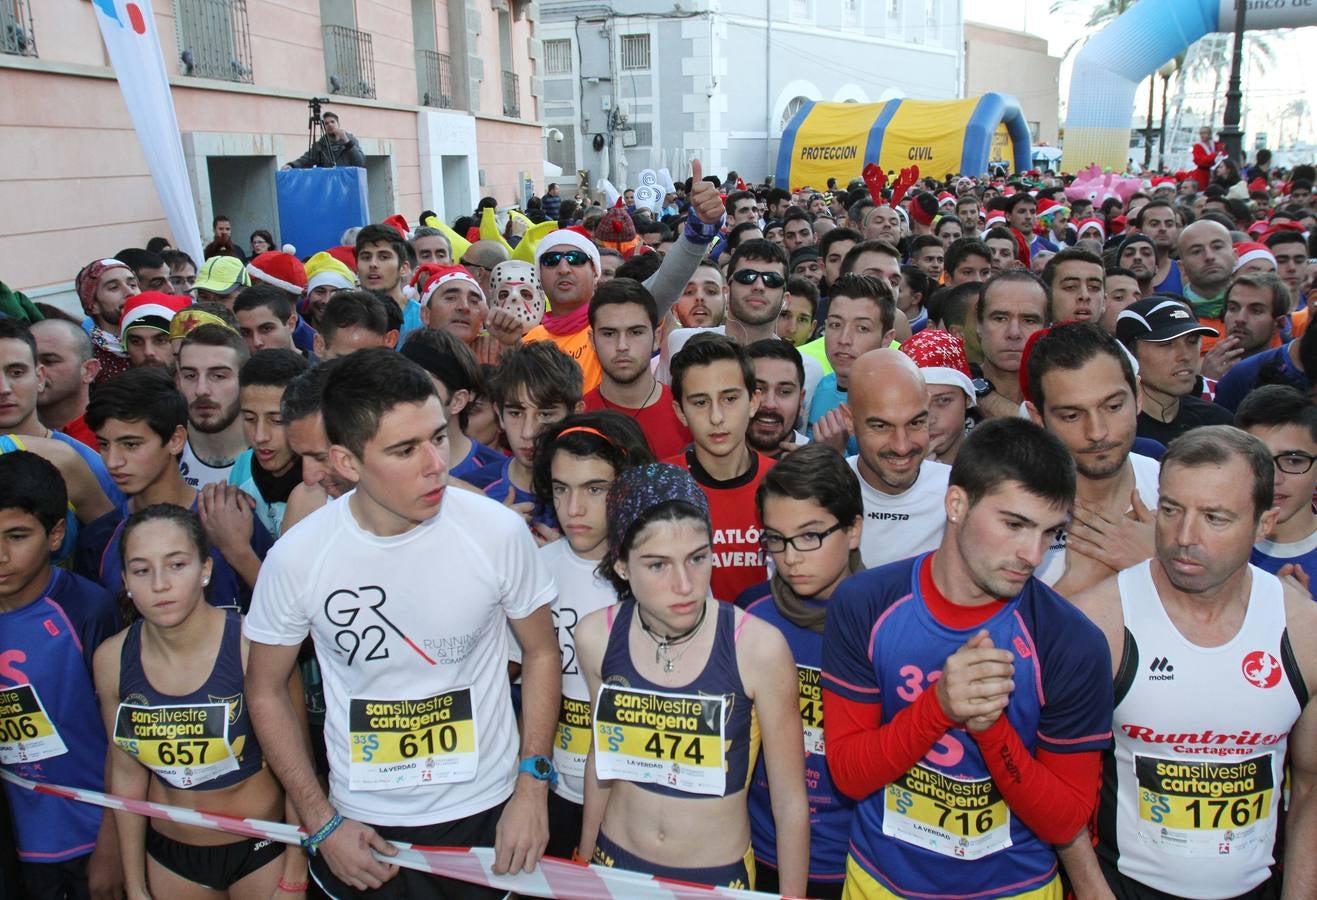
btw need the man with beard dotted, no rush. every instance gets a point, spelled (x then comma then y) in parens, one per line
(703, 301)
(902, 488)
(103, 287)
(1082, 388)
(209, 360)
(623, 331)
(65, 352)
(940, 356)
(145, 328)
(780, 384)
(1138, 253)
(1214, 661)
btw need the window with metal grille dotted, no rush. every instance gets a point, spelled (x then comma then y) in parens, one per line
(644, 133)
(558, 57)
(349, 61)
(213, 39)
(16, 34)
(635, 51)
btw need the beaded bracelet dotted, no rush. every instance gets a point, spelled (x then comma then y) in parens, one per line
(310, 844)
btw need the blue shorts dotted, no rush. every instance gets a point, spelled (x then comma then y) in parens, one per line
(740, 874)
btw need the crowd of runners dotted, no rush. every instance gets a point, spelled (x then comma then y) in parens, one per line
(936, 540)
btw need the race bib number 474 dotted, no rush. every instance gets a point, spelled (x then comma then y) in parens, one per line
(660, 738)
(400, 743)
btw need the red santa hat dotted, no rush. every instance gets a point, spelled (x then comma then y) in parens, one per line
(399, 224)
(1084, 224)
(152, 309)
(433, 276)
(283, 270)
(946, 197)
(996, 217)
(1248, 251)
(941, 357)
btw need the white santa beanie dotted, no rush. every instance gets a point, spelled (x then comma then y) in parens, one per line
(572, 239)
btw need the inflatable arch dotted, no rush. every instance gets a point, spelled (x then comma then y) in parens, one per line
(837, 140)
(1110, 66)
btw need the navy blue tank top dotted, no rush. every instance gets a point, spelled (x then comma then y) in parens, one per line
(200, 740)
(720, 677)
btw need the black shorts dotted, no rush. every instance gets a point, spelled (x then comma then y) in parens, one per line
(218, 867)
(65, 880)
(564, 827)
(1126, 888)
(476, 830)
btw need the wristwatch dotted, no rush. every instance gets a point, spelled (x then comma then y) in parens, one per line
(982, 387)
(540, 768)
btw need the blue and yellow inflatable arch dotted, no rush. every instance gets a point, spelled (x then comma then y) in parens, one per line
(837, 140)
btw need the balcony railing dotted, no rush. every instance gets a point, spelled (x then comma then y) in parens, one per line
(349, 62)
(434, 74)
(511, 95)
(16, 35)
(213, 40)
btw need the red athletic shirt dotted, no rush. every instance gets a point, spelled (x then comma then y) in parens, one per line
(662, 429)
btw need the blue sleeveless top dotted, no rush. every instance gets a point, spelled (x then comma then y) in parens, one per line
(183, 738)
(720, 677)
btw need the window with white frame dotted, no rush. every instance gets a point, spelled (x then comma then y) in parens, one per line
(893, 9)
(850, 12)
(558, 57)
(635, 51)
(802, 10)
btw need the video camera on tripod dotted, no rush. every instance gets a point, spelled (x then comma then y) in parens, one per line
(314, 121)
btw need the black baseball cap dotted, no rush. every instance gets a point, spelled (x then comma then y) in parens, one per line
(1161, 317)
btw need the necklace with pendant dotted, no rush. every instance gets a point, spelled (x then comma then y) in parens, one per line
(663, 644)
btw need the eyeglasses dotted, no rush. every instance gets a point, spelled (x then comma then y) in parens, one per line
(1294, 462)
(750, 276)
(804, 542)
(573, 257)
(471, 265)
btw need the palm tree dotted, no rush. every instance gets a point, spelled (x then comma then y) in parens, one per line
(1103, 13)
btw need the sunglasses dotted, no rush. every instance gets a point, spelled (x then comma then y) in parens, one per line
(573, 257)
(750, 276)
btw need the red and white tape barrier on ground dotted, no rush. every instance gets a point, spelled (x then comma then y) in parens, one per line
(554, 878)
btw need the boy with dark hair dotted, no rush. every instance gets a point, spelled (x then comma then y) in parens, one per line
(861, 317)
(967, 259)
(1282, 418)
(624, 333)
(353, 320)
(795, 324)
(418, 675)
(1012, 726)
(304, 427)
(456, 375)
(270, 470)
(714, 394)
(266, 318)
(140, 421)
(536, 385)
(51, 622)
(383, 266)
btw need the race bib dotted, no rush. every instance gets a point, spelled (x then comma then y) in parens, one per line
(26, 732)
(966, 819)
(571, 739)
(674, 740)
(185, 745)
(403, 743)
(811, 708)
(1201, 808)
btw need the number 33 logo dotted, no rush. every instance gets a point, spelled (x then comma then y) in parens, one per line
(948, 751)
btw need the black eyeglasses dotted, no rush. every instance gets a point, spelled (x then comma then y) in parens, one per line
(750, 276)
(573, 257)
(804, 542)
(470, 265)
(1294, 462)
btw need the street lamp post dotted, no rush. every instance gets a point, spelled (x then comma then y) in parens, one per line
(1231, 136)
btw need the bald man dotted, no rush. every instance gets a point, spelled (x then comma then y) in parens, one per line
(902, 488)
(481, 258)
(1207, 260)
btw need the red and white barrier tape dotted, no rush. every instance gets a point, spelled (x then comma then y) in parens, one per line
(554, 878)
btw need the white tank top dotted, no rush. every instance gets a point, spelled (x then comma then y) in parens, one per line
(197, 474)
(1200, 740)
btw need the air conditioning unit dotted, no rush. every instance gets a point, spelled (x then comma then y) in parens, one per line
(629, 139)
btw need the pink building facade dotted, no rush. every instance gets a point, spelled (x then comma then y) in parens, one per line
(442, 96)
